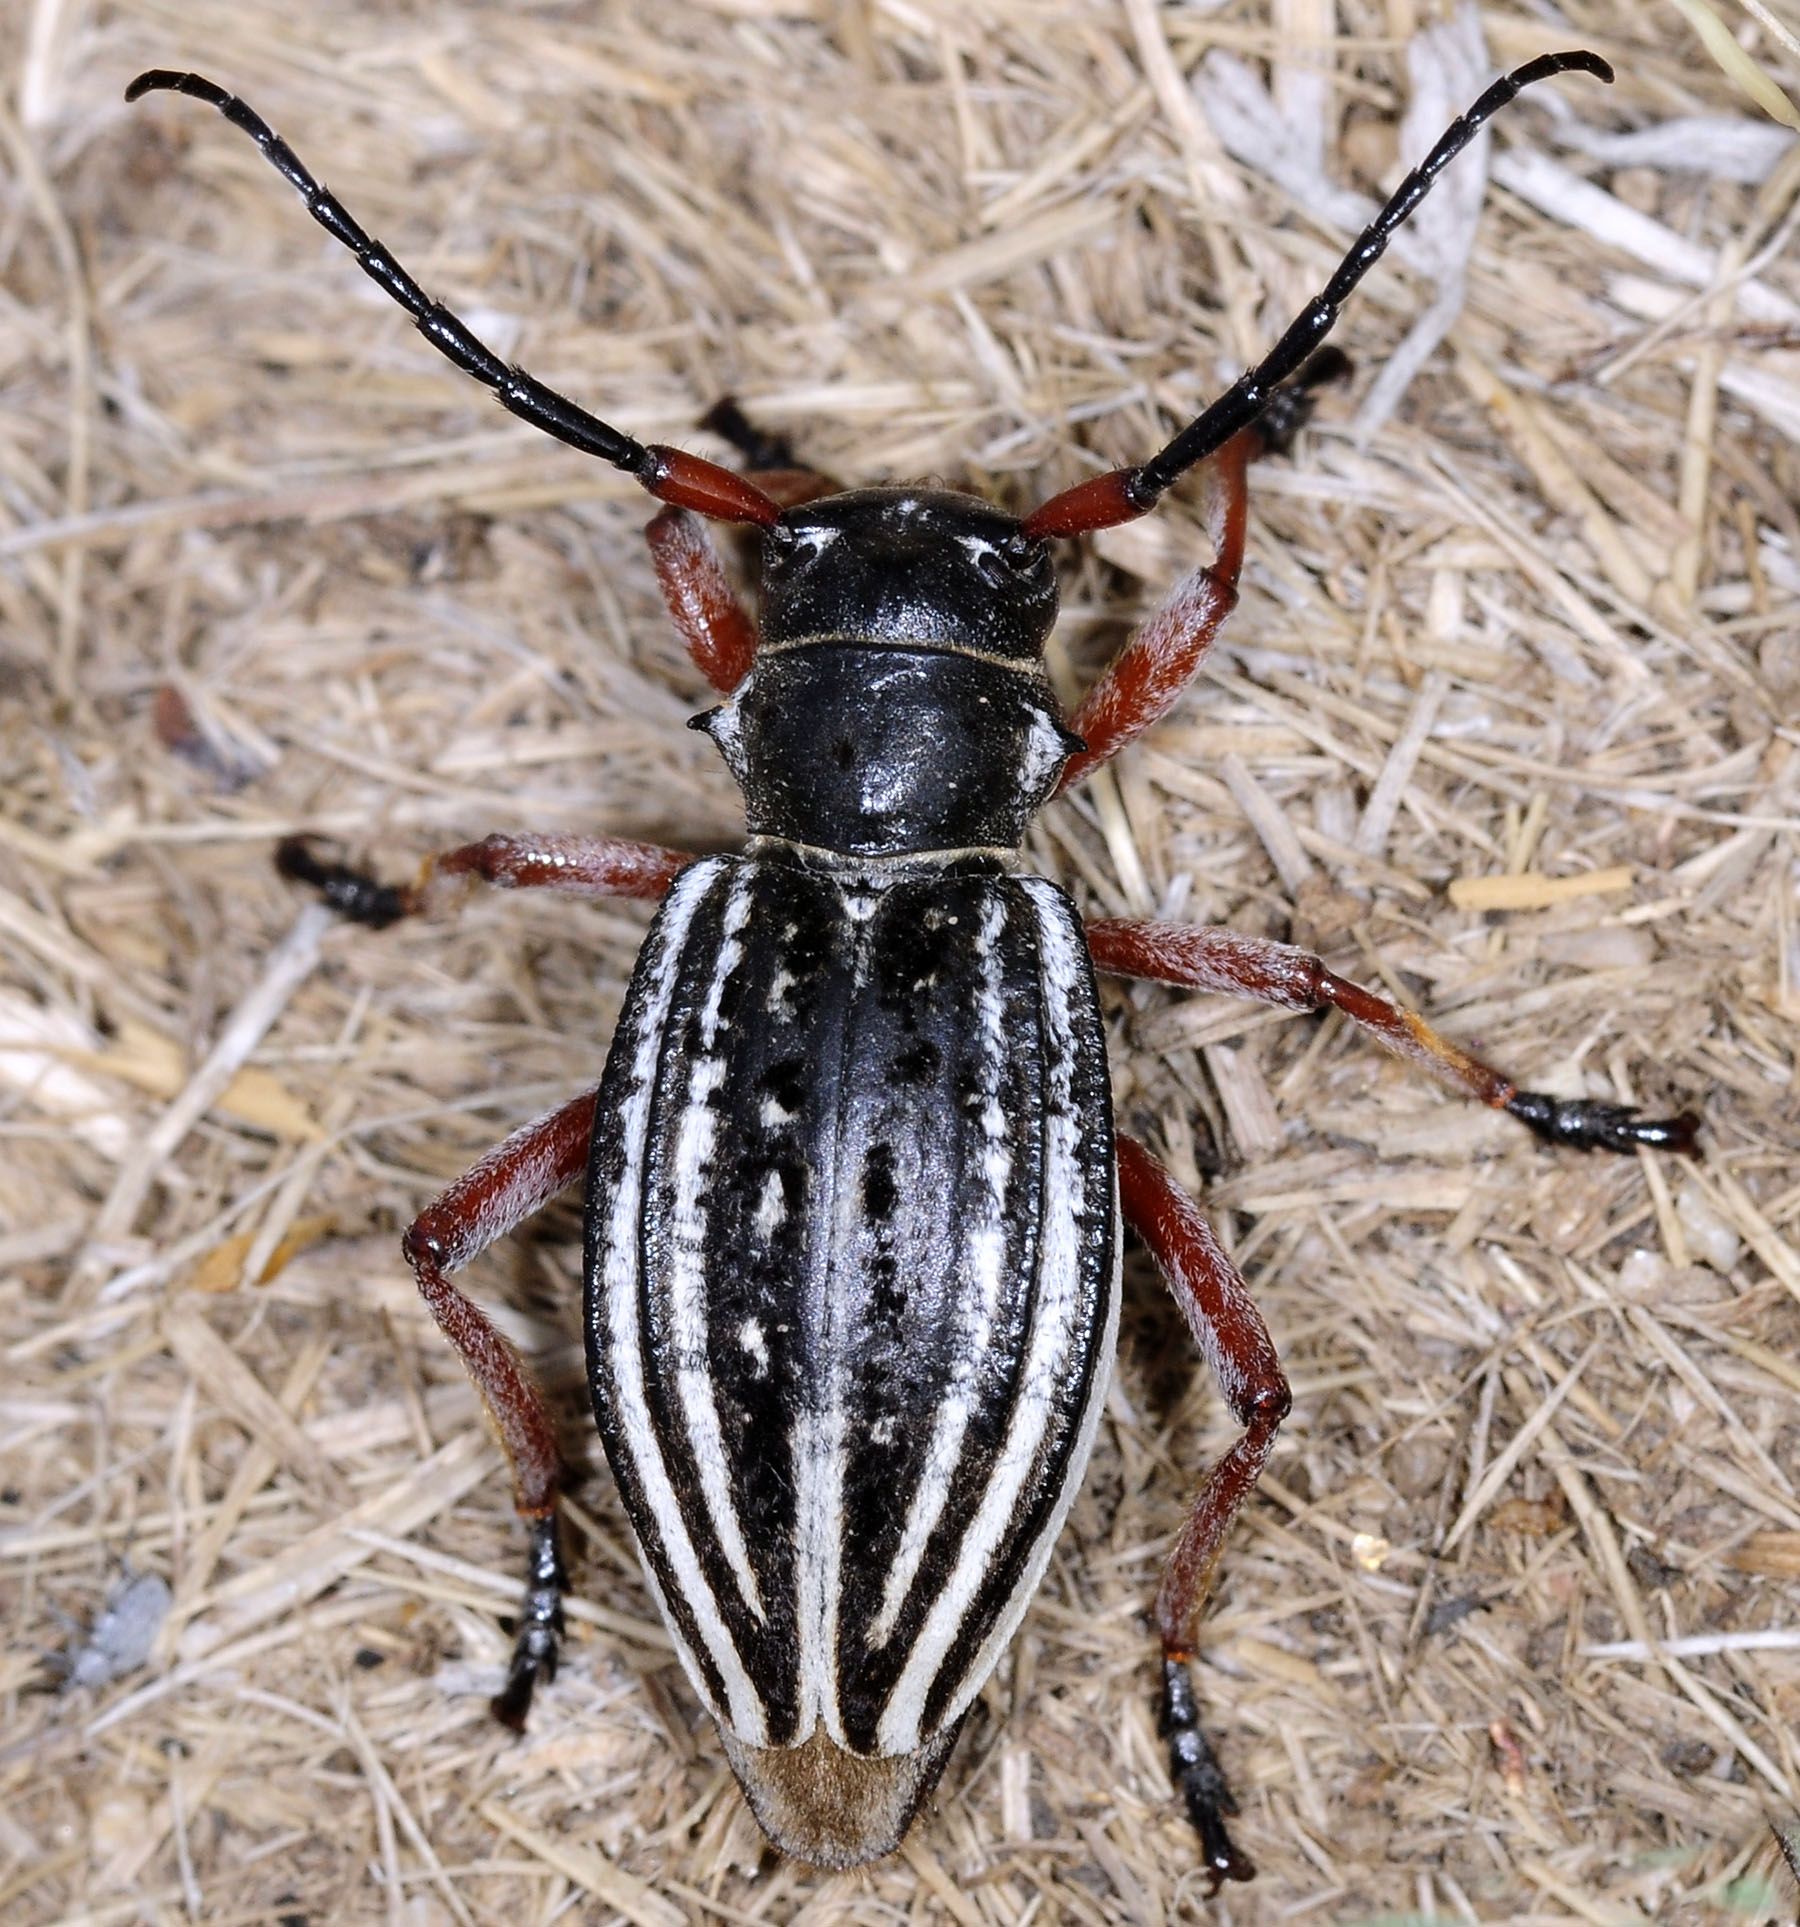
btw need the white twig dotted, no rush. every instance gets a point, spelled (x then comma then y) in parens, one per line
(1384, 799)
(289, 964)
(1772, 1639)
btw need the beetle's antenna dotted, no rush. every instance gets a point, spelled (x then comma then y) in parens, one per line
(667, 473)
(1126, 493)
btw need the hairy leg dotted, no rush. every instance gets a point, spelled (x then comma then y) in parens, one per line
(718, 630)
(1276, 973)
(1235, 1342)
(579, 866)
(514, 1180)
(1145, 680)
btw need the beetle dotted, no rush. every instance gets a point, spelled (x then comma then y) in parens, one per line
(854, 1194)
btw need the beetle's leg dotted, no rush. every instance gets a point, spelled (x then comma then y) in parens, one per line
(515, 1179)
(718, 631)
(1235, 1342)
(1145, 680)
(720, 635)
(1277, 973)
(769, 459)
(577, 866)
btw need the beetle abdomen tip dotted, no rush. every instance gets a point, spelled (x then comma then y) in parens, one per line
(830, 1807)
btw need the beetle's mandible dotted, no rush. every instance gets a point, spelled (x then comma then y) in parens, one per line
(855, 1198)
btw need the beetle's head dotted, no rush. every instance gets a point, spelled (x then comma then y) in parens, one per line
(913, 567)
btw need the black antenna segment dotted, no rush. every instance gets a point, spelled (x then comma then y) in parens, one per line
(524, 395)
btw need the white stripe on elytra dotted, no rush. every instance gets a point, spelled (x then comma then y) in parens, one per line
(742, 1711)
(978, 1293)
(818, 1551)
(695, 1140)
(1056, 1306)
(822, 1428)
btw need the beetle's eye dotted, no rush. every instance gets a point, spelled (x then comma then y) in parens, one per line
(781, 549)
(1005, 561)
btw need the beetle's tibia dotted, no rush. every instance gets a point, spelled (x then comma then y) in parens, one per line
(540, 1625)
(1198, 1777)
(1590, 1126)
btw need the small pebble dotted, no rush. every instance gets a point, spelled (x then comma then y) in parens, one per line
(1370, 1550)
(1644, 1275)
(1416, 1466)
(124, 1633)
(1710, 1235)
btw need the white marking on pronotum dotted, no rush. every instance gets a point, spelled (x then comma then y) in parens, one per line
(695, 1140)
(1055, 1315)
(750, 1336)
(985, 1260)
(1046, 751)
(661, 960)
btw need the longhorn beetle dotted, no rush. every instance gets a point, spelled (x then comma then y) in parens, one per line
(854, 1193)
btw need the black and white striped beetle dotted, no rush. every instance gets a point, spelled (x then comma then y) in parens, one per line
(854, 1193)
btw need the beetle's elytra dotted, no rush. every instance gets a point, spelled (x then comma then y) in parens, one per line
(855, 1200)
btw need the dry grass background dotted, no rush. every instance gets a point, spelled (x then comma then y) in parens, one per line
(266, 564)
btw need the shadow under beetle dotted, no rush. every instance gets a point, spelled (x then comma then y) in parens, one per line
(854, 1192)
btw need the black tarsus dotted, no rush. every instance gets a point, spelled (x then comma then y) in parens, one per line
(1290, 408)
(521, 394)
(1590, 1126)
(1198, 1777)
(1254, 390)
(540, 1629)
(351, 893)
(759, 448)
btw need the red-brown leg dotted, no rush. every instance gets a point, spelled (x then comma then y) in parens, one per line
(717, 629)
(1159, 662)
(578, 866)
(769, 458)
(514, 1180)
(1146, 679)
(719, 633)
(1235, 1342)
(1277, 973)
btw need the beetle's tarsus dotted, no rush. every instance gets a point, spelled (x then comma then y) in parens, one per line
(1590, 1126)
(759, 448)
(1290, 408)
(351, 893)
(540, 1626)
(1199, 1779)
